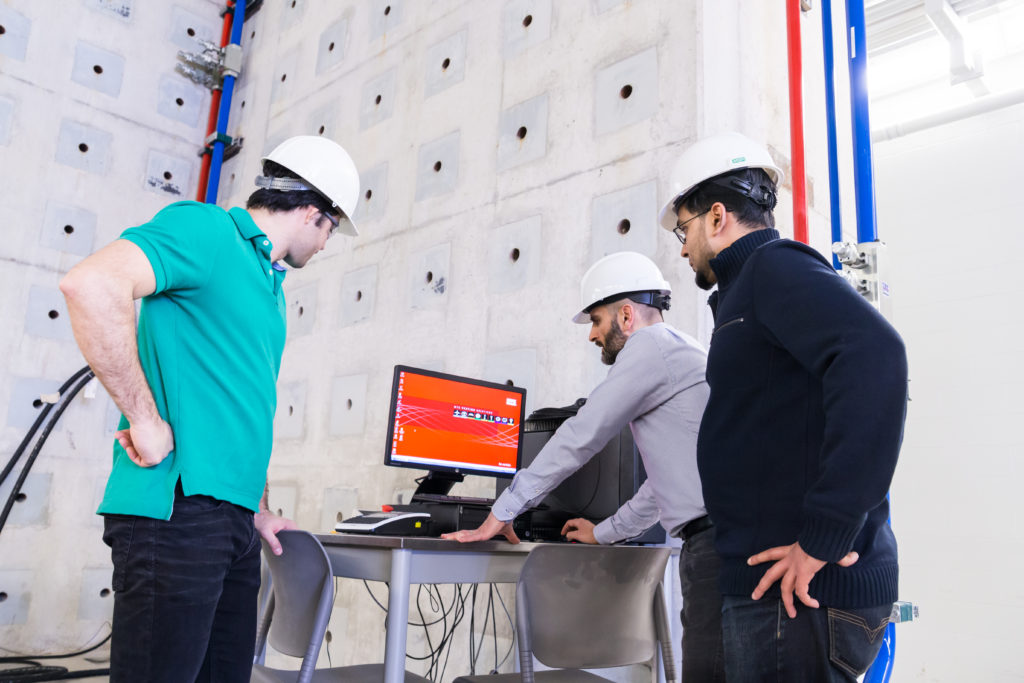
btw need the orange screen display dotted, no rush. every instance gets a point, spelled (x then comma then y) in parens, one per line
(455, 424)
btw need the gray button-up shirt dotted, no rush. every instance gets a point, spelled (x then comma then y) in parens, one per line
(656, 386)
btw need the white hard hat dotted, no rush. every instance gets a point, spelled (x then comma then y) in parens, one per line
(325, 167)
(623, 272)
(712, 157)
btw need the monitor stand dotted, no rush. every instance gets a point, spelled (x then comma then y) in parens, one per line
(437, 483)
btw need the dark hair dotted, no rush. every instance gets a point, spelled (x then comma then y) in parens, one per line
(749, 193)
(284, 201)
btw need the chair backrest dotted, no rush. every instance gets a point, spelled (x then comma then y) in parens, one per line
(303, 593)
(585, 607)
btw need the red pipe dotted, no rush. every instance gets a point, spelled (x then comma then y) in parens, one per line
(211, 121)
(796, 120)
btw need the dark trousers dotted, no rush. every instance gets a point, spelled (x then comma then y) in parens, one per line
(184, 593)
(823, 645)
(703, 653)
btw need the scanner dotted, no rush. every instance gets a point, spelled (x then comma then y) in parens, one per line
(387, 523)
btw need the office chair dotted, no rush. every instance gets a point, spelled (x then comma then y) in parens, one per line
(588, 607)
(295, 619)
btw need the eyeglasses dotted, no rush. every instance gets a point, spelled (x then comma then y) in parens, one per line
(333, 221)
(680, 229)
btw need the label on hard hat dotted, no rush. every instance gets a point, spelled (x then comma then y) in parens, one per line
(739, 160)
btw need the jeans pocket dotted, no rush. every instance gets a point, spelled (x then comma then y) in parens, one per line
(855, 636)
(118, 531)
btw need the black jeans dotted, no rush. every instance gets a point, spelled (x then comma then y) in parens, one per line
(184, 593)
(823, 645)
(703, 654)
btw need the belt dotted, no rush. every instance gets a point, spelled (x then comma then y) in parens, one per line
(695, 526)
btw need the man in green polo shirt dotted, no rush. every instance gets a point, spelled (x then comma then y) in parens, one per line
(185, 505)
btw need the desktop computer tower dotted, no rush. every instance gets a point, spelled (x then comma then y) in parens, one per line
(595, 491)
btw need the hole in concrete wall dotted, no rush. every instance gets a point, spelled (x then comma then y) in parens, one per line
(252, 35)
(191, 32)
(521, 133)
(445, 64)
(624, 226)
(280, 512)
(359, 295)
(21, 497)
(369, 193)
(3, 595)
(232, 177)
(283, 76)
(38, 403)
(340, 517)
(328, 637)
(2, 31)
(104, 592)
(68, 229)
(321, 130)
(348, 404)
(293, 3)
(53, 315)
(97, 68)
(430, 277)
(291, 410)
(510, 383)
(167, 175)
(626, 91)
(301, 310)
(330, 48)
(437, 166)
(387, 10)
(376, 100)
(515, 254)
(242, 106)
(82, 147)
(178, 101)
(527, 20)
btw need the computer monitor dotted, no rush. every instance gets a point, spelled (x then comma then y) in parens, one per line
(453, 426)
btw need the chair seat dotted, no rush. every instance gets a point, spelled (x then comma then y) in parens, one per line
(360, 673)
(553, 676)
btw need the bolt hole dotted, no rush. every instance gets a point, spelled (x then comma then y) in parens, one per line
(178, 101)
(53, 315)
(330, 48)
(340, 517)
(387, 10)
(191, 32)
(2, 31)
(3, 595)
(527, 20)
(348, 404)
(293, 3)
(280, 512)
(97, 68)
(437, 166)
(521, 133)
(369, 193)
(301, 310)
(430, 277)
(328, 637)
(252, 35)
(510, 383)
(82, 147)
(242, 106)
(624, 226)
(291, 410)
(104, 592)
(68, 229)
(283, 76)
(21, 497)
(38, 403)
(377, 99)
(167, 175)
(232, 177)
(515, 254)
(359, 295)
(445, 64)
(321, 130)
(626, 91)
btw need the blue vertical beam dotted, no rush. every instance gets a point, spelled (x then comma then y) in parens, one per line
(217, 155)
(830, 125)
(864, 185)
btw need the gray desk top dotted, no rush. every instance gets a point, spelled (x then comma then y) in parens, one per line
(422, 543)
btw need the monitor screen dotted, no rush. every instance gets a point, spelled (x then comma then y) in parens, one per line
(445, 423)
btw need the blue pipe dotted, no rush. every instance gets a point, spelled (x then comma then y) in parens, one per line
(217, 155)
(867, 230)
(881, 670)
(830, 124)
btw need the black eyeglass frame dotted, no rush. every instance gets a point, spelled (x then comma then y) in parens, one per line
(680, 231)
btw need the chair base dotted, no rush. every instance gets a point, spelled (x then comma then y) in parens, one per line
(360, 673)
(552, 676)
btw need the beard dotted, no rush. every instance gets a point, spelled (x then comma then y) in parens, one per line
(705, 278)
(612, 343)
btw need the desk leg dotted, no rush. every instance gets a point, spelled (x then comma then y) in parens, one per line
(398, 616)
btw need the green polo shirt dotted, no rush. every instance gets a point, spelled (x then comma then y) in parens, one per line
(210, 342)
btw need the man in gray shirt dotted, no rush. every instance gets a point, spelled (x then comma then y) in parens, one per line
(655, 385)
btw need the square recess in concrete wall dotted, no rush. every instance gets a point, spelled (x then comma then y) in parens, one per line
(374, 195)
(98, 69)
(602, 6)
(384, 17)
(283, 499)
(168, 175)
(6, 119)
(284, 69)
(47, 314)
(348, 405)
(518, 366)
(301, 309)
(292, 12)
(83, 147)
(70, 229)
(331, 50)
(525, 23)
(16, 586)
(626, 92)
(240, 104)
(17, 28)
(95, 598)
(122, 9)
(323, 120)
(187, 29)
(377, 101)
(625, 220)
(428, 278)
(32, 505)
(26, 401)
(514, 255)
(290, 419)
(339, 503)
(445, 63)
(179, 99)
(437, 167)
(523, 132)
(358, 294)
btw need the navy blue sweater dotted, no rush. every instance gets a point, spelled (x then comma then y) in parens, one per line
(804, 421)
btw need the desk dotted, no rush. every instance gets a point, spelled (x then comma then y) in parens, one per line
(402, 561)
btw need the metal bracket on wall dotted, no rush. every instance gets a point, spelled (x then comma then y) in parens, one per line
(866, 270)
(232, 146)
(806, 5)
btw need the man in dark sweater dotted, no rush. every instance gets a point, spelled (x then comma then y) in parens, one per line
(802, 430)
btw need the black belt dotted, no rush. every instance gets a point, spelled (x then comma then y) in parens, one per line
(695, 526)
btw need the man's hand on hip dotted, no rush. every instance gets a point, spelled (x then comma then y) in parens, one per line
(795, 568)
(147, 442)
(579, 529)
(491, 527)
(268, 524)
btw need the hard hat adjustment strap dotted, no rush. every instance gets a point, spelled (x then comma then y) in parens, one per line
(283, 184)
(657, 299)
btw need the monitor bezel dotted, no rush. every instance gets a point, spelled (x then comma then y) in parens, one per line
(466, 380)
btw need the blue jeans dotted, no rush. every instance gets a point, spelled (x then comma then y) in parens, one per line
(703, 655)
(184, 593)
(819, 646)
